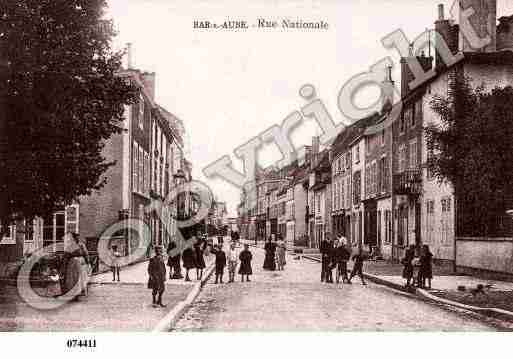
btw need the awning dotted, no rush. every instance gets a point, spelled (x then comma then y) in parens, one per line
(394, 114)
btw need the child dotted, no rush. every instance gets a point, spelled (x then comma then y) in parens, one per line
(280, 255)
(115, 262)
(358, 259)
(53, 288)
(245, 263)
(220, 263)
(232, 262)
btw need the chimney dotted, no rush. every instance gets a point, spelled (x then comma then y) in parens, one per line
(315, 151)
(505, 34)
(129, 55)
(149, 82)
(306, 156)
(483, 21)
(407, 75)
(448, 32)
(441, 15)
(387, 90)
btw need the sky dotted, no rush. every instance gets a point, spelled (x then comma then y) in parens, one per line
(229, 86)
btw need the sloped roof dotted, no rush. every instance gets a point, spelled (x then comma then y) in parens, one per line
(353, 132)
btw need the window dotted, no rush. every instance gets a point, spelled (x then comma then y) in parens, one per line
(402, 127)
(407, 118)
(10, 236)
(335, 195)
(383, 138)
(382, 174)
(367, 175)
(155, 176)
(148, 173)
(430, 207)
(430, 175)
(141, 111)
(341, 195)
(29, 230)
(418, 113)
(388, 226)
(348, 189)
(413, 154)
(135, 168)
(374, 178)
(402, 158)
(71, 218)
(141, 171)
(357, 187)
(446, 204)
(357, 153)
(348, 160)
(161, 182)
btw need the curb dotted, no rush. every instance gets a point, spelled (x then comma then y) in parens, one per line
(167, 323)
(493, 312)
(490, 312)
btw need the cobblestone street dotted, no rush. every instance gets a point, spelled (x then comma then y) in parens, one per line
(296, 300)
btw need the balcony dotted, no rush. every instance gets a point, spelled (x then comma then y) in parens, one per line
(408, 182)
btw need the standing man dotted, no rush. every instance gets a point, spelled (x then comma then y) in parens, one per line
(233, 257)
(157, 280)
(175, 269)
(116, 255)
(326, 252)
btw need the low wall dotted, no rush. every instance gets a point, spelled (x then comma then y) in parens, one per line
(487, 254)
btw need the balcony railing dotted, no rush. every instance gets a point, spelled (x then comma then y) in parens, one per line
(408, 182)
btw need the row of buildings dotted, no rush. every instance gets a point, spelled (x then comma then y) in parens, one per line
(371, 184)
(149, 160)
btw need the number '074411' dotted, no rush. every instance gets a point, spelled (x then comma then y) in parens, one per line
(81, 343)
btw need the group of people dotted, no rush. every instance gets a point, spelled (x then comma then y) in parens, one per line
(231, 258)
(274, 254)
(72, 273)
(424, 262)
(193, 257)
(335, 255)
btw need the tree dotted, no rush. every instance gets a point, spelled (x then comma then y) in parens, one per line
(472, 148)
(61, 99)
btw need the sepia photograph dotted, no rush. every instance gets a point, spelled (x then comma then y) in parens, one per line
(292, 167)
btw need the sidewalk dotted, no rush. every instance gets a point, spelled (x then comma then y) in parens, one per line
(110, 306)
(496, 299)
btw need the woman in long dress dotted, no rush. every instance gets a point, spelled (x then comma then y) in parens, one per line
(409, 255)
(270, 253)
(77, 269)
(245, 263)
(426, 267)
(189, 261)
(199, 248)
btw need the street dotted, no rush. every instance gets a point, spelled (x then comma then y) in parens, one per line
(295, 299)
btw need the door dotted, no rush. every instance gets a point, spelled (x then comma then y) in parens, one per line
(360, 229)
(418, 214)
(54, 229)
(378, 245)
